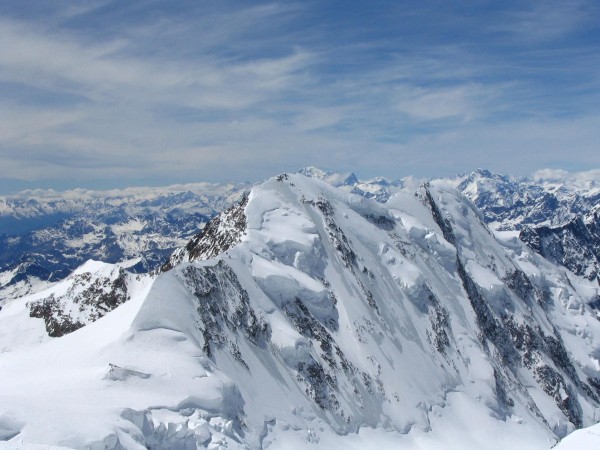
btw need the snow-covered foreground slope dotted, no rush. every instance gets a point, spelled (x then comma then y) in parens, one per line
(308, 317)
(88, 294)
(586, 438)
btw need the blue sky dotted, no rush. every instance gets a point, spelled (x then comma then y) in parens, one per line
(103, 94)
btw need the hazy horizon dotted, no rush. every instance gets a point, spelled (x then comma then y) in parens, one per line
(545, 174)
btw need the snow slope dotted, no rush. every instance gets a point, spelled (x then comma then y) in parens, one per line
(309, 317)
(88, 294)
(586, 438)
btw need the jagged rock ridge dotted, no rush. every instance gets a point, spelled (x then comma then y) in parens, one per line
(219, 235)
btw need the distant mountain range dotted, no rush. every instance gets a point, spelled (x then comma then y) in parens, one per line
(45, 235)
(558, 217)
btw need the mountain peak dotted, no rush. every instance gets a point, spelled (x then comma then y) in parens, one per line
(488, 175)
(334, 178)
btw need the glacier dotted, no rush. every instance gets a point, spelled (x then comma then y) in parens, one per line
(306, 316)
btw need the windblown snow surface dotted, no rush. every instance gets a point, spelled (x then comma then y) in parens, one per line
(327, 320)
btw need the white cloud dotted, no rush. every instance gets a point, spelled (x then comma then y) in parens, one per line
(539, 21)
(560, 175)
(243, 94)
(431, 104)
(20, 124)
(128, 121)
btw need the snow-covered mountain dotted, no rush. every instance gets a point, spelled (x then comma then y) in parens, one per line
(575, 244)
(334, 178)
(45, 235)
(510, 203)
(86, 295)
(304, 317)
(380, 188)
(556, 215)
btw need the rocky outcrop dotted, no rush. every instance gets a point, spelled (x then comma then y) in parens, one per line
(219, 235)
(88, 297)
(575, 245)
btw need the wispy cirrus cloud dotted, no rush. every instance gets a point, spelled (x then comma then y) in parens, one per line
(461, 103)
(185, 91)
(45, 60)
(536, 22)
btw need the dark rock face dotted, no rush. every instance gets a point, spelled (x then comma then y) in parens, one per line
(441, 221)
(223, 304)
(491, 328)
(336, 235)
(554, 385)
(439, 319)
(320, 383)
(219, 235)
(575, 245)
(87, 299)
(323, 374)
(519, 345)
(57, 322)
